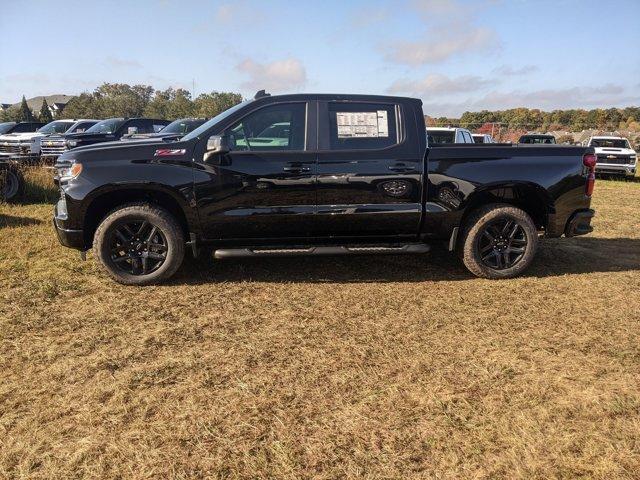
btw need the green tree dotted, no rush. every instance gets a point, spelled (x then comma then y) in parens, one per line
(85, 105)
(45, 114)
(208, 105)
(25, 112)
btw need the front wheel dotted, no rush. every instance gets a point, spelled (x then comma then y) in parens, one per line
(139, 244)
(11, 183)
(499, 241)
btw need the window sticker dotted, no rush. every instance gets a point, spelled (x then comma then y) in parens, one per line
(362, 124)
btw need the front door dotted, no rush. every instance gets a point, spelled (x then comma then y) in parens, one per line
(369, 172)
(264, 187)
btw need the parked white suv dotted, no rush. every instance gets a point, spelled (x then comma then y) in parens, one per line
(614, 155)
(448, 135)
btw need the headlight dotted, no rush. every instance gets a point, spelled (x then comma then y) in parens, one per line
(72, 143)
(70, 172)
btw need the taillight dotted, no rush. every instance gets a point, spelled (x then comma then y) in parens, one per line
(589, 161)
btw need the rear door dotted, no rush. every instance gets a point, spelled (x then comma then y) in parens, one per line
(369, 170)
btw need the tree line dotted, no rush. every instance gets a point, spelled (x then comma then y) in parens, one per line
(121, 100)
(574, 120)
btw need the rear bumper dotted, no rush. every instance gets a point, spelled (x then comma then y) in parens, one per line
(579, 223)
(68, 237)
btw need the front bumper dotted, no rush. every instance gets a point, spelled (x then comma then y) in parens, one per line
(68, 237)
(579, 223)
(616, 169)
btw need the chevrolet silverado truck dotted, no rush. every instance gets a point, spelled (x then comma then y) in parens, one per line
(614, 156)
(351, 174)
(10, 132)
(106, 131)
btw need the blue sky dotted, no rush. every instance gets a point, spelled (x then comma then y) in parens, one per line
(456, 55)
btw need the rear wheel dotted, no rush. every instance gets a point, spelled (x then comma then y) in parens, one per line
(139, 244)
(499, 241)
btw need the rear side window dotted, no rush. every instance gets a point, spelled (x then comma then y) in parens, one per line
(362, 126)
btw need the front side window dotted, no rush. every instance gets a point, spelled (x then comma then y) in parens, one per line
(278, 127)
(362, 126)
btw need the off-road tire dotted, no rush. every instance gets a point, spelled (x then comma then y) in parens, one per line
(156, 216)
(474, 227)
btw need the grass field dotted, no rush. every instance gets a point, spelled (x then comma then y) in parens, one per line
(346, 367)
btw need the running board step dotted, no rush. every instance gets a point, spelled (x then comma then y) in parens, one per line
(330, 250)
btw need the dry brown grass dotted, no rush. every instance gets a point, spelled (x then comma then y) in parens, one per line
(371, 367)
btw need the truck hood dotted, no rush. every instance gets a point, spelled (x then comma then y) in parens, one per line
(138, 150)
(615, 151)
(26, 136)
(82, 136)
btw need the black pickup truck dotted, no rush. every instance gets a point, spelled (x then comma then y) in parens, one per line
(316, 175)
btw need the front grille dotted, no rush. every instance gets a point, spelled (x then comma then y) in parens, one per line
(616, 160)
(52, 149)
(10, 147)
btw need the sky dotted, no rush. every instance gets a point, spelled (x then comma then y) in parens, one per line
(456, 55)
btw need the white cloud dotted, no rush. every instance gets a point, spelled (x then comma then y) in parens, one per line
(117, 62)
(450, 30)
(606, 96)
(277, 76)
(442, 43)
(436, 83)
(509, 71)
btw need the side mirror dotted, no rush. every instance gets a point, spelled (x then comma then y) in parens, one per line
(132, 130)
(219, 144)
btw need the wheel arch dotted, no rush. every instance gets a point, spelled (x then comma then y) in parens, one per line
(530, 197)
(107, 199)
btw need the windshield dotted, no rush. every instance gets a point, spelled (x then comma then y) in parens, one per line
(106, 126)
(537, 140)
(182, 126)
(610, 142)
(218, 118)
(440, 136)
(5, 127)
(55, 127)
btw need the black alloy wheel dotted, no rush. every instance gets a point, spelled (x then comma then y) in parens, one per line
(138, 248)
(502, 244)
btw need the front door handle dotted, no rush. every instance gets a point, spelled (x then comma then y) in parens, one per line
(296, 169)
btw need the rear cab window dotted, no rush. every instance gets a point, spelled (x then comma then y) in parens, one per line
(362, 126)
